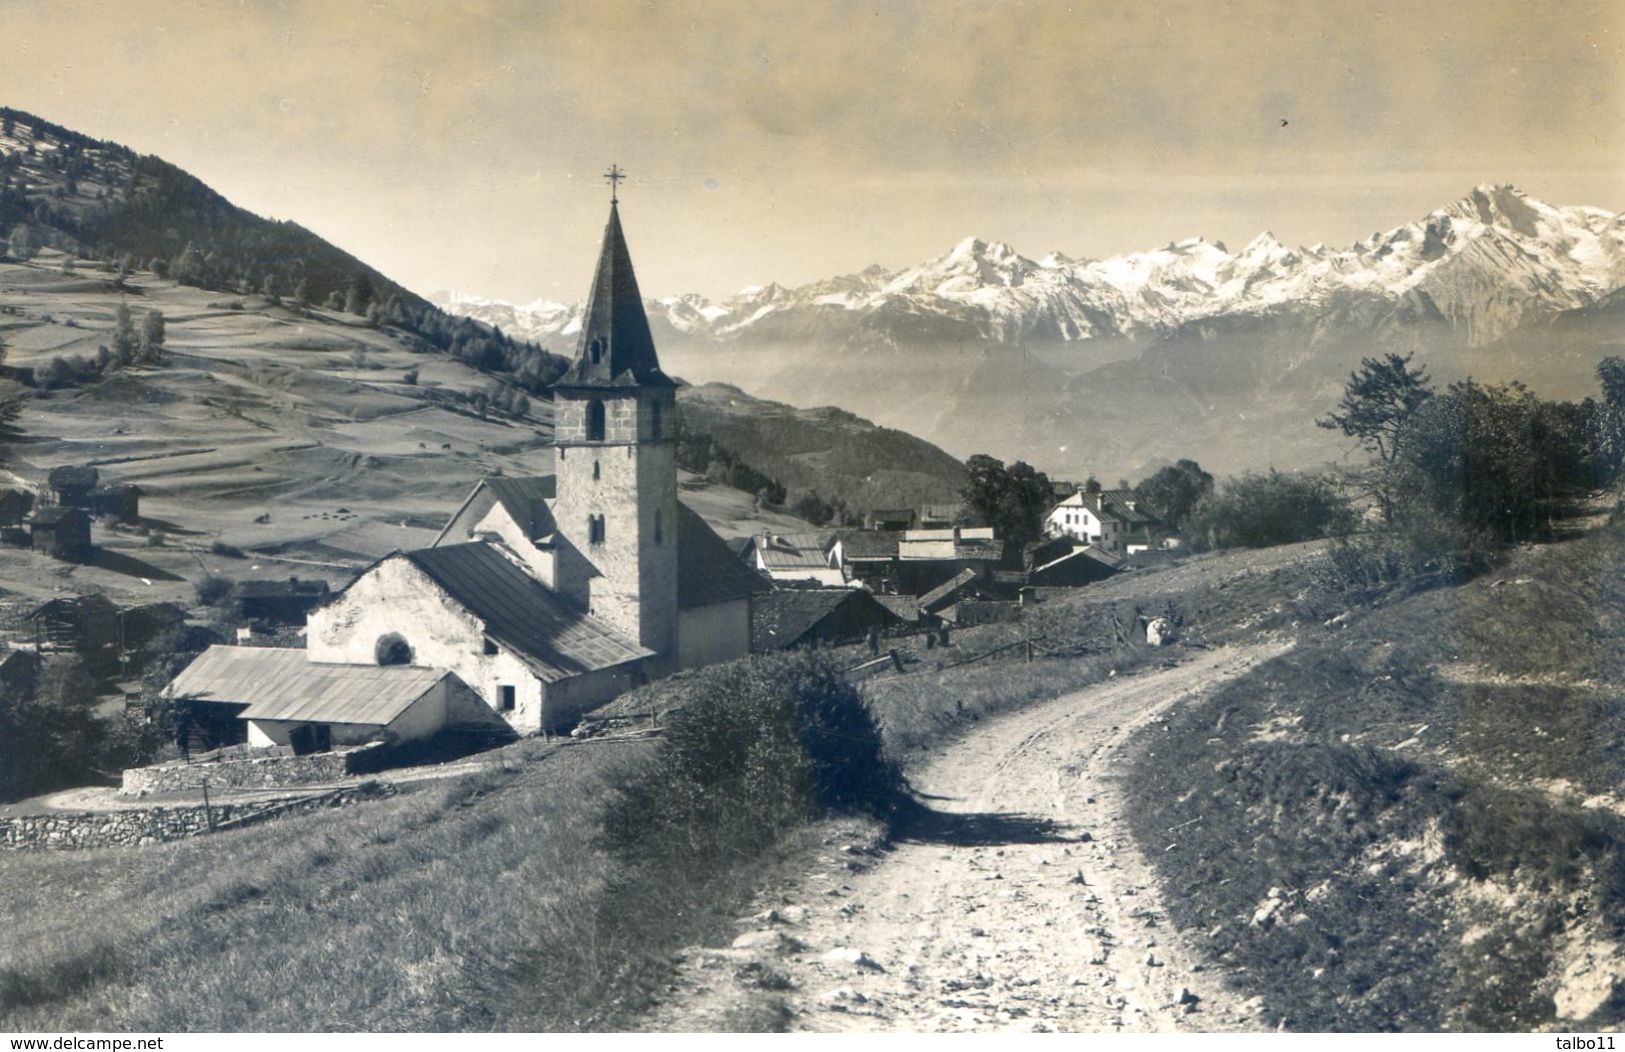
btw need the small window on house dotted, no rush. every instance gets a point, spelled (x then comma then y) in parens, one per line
(595, 529)
(505, 694)
(392, 649)
(490, 648)
(595, 421)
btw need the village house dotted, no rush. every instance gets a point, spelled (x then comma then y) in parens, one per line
(74, 486)
(62, 533)
(311, 706)
(913, 562)
(1114, 520)
(796, 558)
(280, 601)
(809, 617)
(15, 504)
(75, 622)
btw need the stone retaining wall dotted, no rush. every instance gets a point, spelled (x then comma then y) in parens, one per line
(275, 771)
(68, 830)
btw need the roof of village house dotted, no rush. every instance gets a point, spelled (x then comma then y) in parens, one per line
(906, 607)
(614, 320)
(282, 588)
(1087, 551)
(944, 593)
(73, 476)
(795, 551)
(1128, 507)
(780, 619)
(55, 516)
(938, 512)
(708, 571)
(868, 544)
(552, 637)
(281, 684)
(92, 604)
(892, 515)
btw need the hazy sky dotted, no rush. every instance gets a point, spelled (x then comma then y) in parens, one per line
(459, 145)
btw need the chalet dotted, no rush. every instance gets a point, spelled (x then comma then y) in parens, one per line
(1115, 520)
(890, 519)
(74, 486)
(867, 558)
(280, 602)
(802, 617)
(15, 504)
(286, 699)
(926, 559)
(796, 557)
(1082, 564)
(121, 501)
(77, 622)
(62, 533)
(937, 516)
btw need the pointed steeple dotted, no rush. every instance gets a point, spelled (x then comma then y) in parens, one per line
(616, 347)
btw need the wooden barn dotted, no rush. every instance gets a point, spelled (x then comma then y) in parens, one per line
(75, 487)
(121, 500)
(62, 533)
(801, 617)
(78, 622)
(15, 504)
(280, 602)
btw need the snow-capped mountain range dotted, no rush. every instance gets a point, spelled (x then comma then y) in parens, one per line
(1484, 264)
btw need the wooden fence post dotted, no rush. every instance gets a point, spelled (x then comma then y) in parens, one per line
(208, 812)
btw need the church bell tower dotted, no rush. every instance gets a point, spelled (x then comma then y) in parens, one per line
(615, 463)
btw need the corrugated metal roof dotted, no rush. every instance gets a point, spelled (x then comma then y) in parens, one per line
(278, 684)
(795, 551)
(552, 637)
(707, 569)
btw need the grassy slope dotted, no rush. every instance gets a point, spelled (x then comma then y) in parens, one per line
(477, 903)
(1415, 823)
(260, 411)
(480, 903)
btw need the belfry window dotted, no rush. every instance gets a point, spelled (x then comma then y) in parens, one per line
(596, 350)
(595, 421)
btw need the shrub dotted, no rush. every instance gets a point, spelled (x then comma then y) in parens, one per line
(1259, 510)
(754, 749)
(214, 590)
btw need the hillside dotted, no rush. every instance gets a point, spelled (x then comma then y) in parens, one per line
(291, 433)
(1113, 366)
(826, 450)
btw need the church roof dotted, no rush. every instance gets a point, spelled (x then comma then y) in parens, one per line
(553, 638)
(616, 347)
(707, 569)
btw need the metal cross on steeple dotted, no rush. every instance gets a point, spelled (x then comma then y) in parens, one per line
(613, 177)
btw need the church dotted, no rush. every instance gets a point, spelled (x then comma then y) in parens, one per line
(549, 596)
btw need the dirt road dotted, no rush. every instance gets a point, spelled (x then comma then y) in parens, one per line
(1018, 902)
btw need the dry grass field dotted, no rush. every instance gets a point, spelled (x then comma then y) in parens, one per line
(287, 432)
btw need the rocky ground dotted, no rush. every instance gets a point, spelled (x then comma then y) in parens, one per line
(1015, 901)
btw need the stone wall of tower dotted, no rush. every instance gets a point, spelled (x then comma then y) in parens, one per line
(630, 478)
